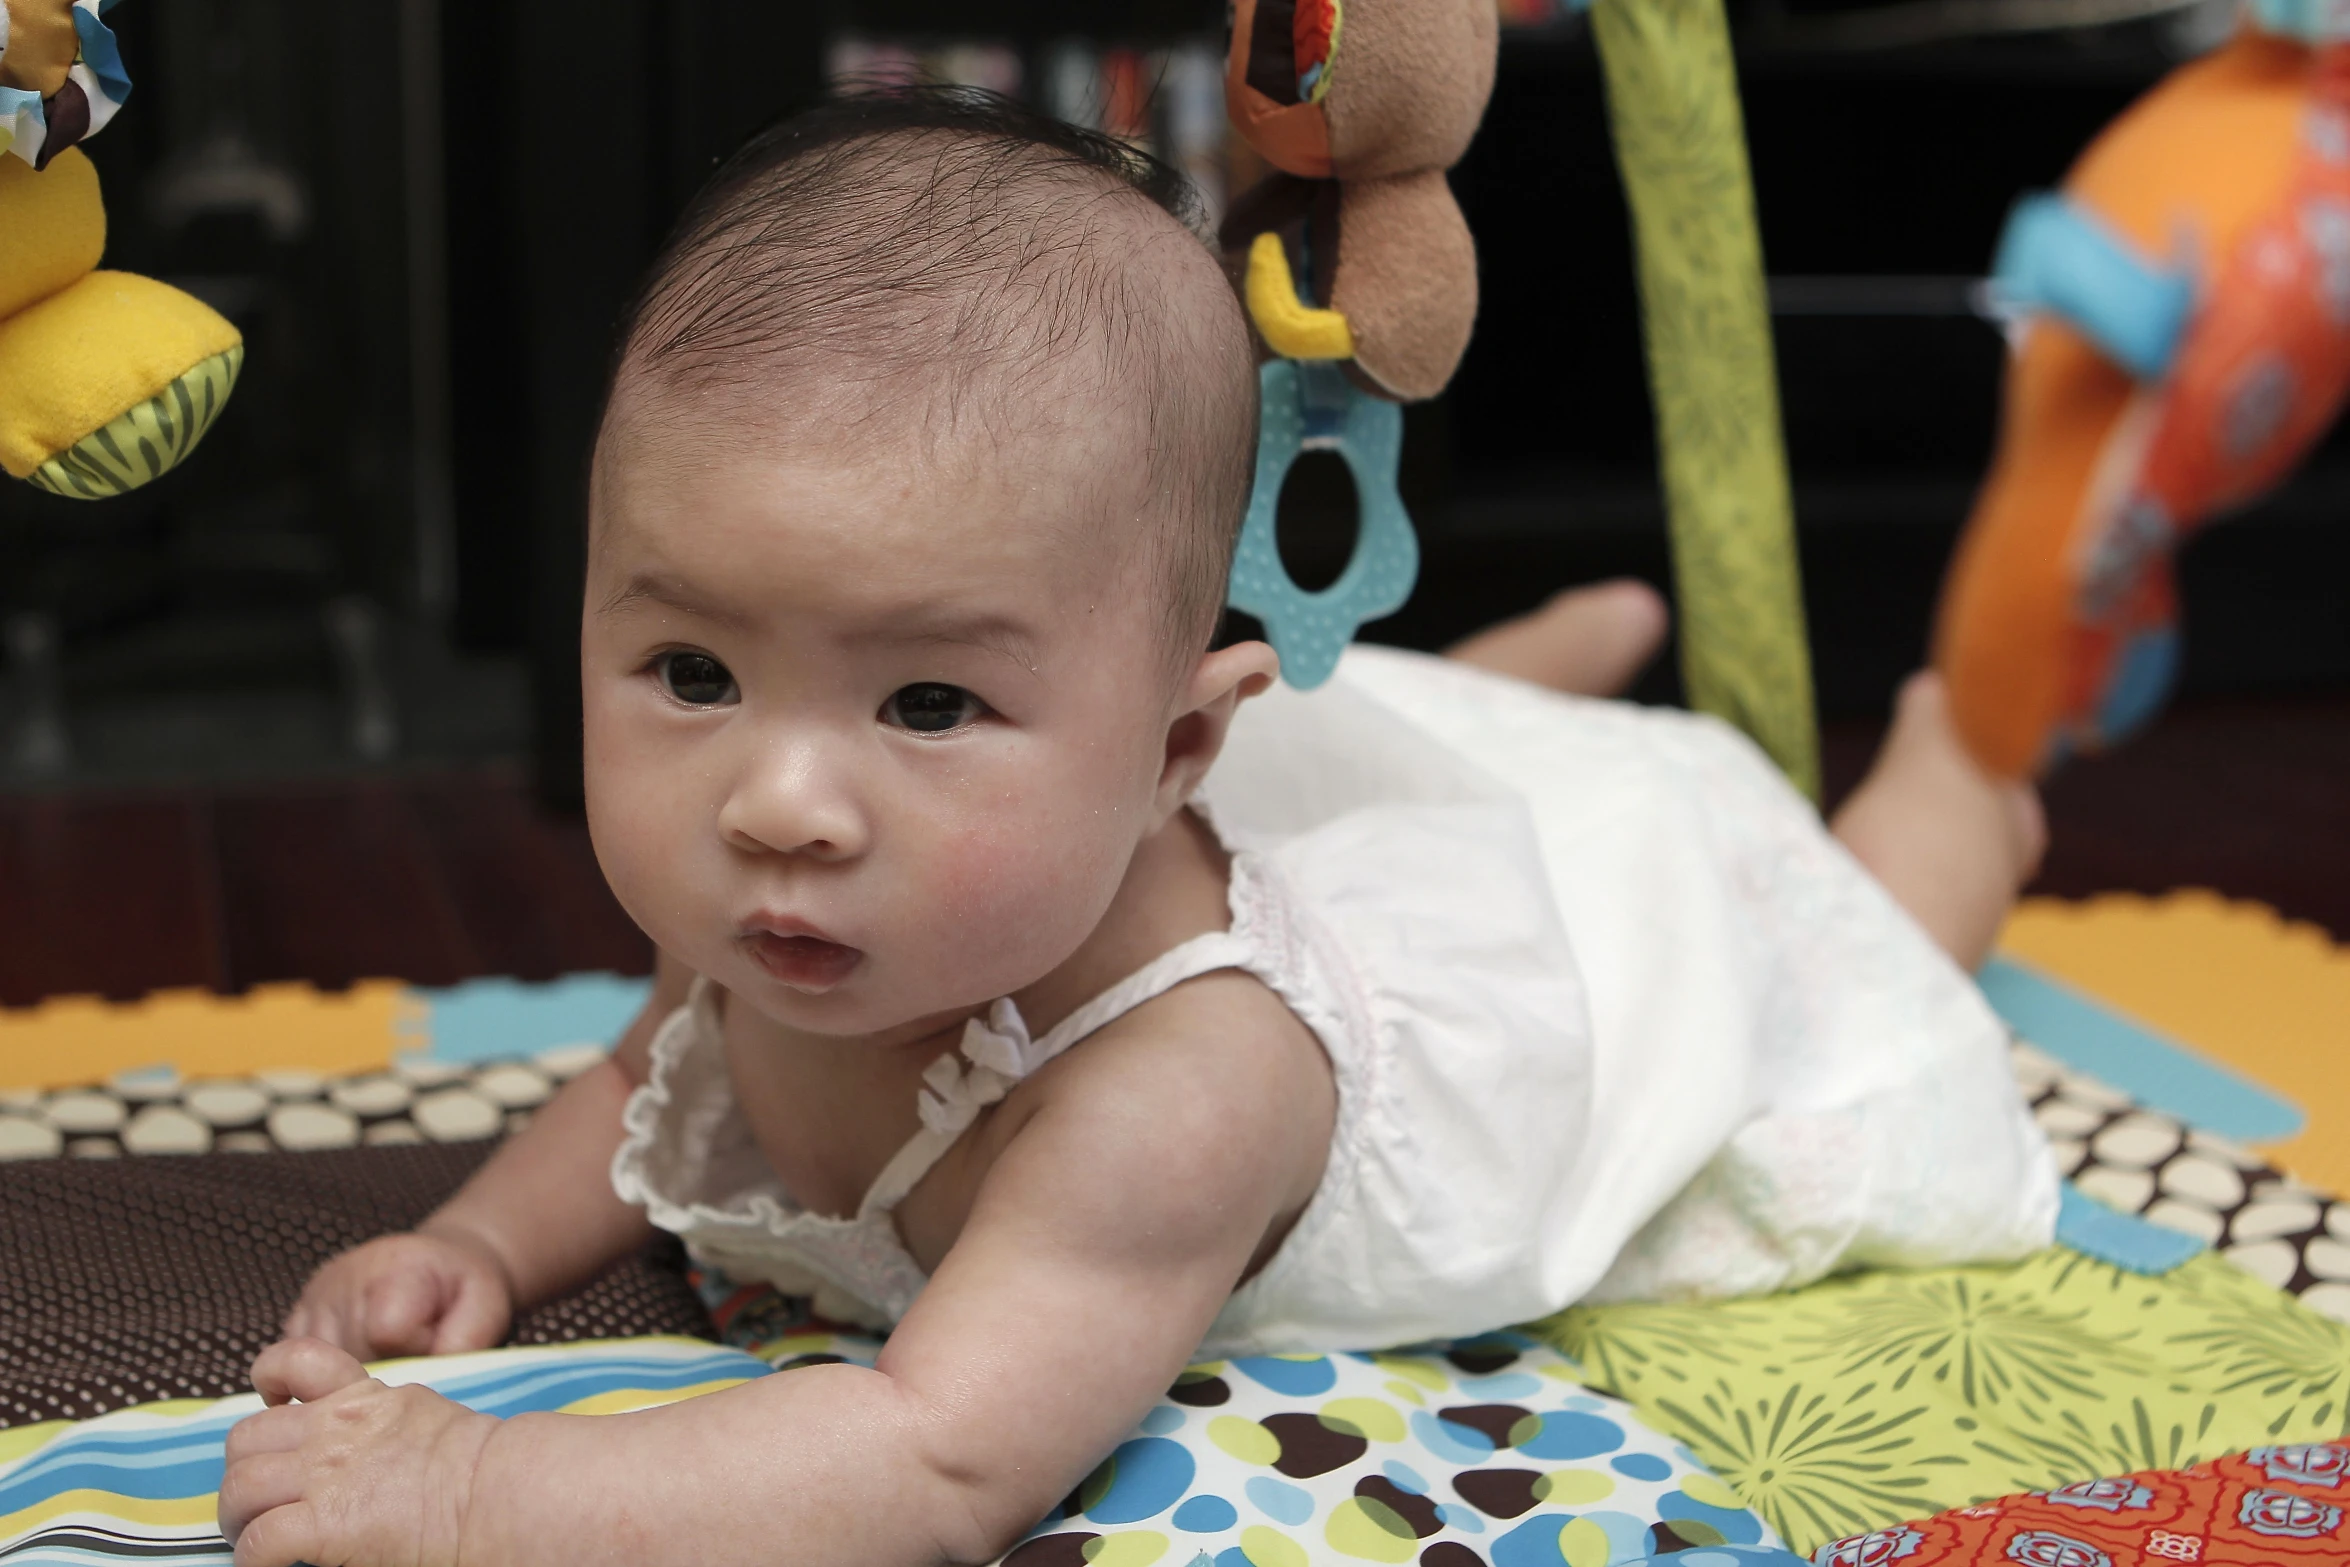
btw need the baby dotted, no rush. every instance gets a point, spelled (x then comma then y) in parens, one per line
(1047, 985)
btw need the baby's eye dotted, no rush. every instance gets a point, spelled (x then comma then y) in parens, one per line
(698, 680)
(930, 708)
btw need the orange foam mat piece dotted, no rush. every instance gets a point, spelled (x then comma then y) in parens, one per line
(2233, 979)
(71, 1040)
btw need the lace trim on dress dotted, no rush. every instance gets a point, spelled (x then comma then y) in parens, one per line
(695, 1109)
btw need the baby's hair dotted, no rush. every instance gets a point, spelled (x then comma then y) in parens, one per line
(919, 240)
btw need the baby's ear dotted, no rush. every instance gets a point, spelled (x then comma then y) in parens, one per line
(1213, 692)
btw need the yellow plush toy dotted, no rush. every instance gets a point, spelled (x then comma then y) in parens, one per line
(107, 379)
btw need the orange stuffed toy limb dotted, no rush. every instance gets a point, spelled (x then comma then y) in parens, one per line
(2188, 340)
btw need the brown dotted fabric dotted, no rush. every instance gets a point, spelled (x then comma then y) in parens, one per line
(131, 1280)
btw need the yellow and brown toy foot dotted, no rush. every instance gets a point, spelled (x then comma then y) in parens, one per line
(107, 379)
(1392, 259)
(1362, 105)
(109, 384)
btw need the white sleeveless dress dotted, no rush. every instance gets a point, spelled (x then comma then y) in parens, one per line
(1611, 1016)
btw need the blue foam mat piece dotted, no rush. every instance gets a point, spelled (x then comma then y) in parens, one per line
(2159, 1073)
(505, 1019)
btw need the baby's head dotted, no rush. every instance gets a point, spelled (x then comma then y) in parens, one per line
(912, 508)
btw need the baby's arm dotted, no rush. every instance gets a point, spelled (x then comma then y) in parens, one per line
(536, 1221)
(1105, 1238)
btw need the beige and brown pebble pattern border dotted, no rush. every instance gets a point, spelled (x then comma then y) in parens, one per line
(2142, 1161)
(159, 1112)
(2128, 1156)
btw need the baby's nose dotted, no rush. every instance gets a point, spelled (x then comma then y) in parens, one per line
(796, 799)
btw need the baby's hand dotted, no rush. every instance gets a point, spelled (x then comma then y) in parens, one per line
(438, 1294)
(356, 1474)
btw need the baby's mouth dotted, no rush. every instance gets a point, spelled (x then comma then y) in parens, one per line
(808, 963)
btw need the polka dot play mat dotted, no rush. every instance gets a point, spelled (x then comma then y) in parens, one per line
(1487, 1451)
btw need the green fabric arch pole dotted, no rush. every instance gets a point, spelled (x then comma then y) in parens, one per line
(1681, 144)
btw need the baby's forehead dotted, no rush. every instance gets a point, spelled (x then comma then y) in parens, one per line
(986, 472)
(867, 557)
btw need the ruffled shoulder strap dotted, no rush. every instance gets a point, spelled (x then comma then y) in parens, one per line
(997, 1051)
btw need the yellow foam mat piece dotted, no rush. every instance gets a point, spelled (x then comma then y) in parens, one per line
(2267, 996)
(72, 1040)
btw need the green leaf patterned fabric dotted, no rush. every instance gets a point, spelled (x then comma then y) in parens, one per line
(1867, 1400)
(1681, 144)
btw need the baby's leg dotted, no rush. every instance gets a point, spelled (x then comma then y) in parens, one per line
(1586, 641)
(1951, 843)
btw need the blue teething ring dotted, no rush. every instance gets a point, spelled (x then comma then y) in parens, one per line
(1309, 406)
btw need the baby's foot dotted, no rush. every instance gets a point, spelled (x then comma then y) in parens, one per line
(1951, 842)
(1591, 641)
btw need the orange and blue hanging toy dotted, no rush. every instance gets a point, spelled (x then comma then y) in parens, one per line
(2184, 340)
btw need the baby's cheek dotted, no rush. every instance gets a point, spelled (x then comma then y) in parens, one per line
(1024, 895)
(641, 829)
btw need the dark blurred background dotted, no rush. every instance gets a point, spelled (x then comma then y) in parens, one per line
(335, 649)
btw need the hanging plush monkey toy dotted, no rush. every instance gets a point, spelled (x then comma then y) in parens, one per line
(1357, 270)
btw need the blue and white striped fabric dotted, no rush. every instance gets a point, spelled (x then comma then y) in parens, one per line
(141, 1484)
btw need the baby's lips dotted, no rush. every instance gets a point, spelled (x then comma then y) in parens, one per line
(804, 962)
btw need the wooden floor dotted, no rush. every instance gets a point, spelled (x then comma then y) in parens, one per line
(440, 877)
(431, 879)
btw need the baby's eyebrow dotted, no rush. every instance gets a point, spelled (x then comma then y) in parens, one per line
(989, 633)
(644, 588)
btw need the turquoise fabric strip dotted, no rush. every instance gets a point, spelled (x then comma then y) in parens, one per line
(2125, 1054)
(2123, 1239)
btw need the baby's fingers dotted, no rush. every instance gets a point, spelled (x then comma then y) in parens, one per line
(401, 1310)
(255, 1485)
(306, 1369)
(282, 1537)
(279, 1430)
(317, 1316)
(476, 1319)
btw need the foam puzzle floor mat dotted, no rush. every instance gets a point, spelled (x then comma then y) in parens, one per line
(420, 1099)
(72, 1040)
